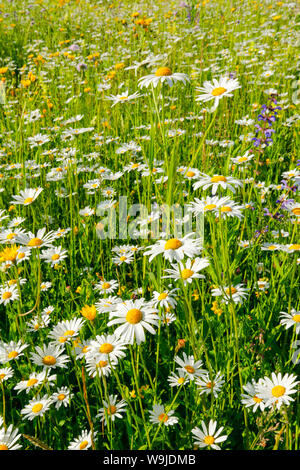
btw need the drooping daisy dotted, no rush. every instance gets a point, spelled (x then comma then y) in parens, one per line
(251, 399)
(189, 366)
(208, 437)
(49, 357)
(36, 407)
(188, 271)
(162, 75)
(207, 385)
(27, 196)
(236, 293)
(111, 409)
(159, 416)
(175, 249)
(217, 90)
(277, 390)
(83, 442)
(134, 316)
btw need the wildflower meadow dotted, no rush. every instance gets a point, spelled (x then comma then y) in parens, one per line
(149, 250)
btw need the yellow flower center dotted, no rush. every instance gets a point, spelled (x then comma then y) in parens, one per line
(123, 258)
(163, 417)
(180, 380)
(278, 391)
(226, 209)
(69, 333)
(101, 364)
(13, 354)
(55, 257)
(10, 236)
(190, 174)
(49, 360)
(134, 316)
(162, 296)
(105, 285)
(173, 244)
(37, 408)
(242, 159)
(3, 447)
(2, 376)
(190, 369)
(218, 91)
(83, 445)
(28, 200)
(111, 410)
(210, 207)
(163, 72)
(35, 242)
(296, 318)
(231, 291)
(106, 348)
(61, 396)
(6, 295)
(31, 382)
(296, 246)
(272, 247)
(186, 273)
(209, 440)
(296, 211)
(256, 399)
(218, 178)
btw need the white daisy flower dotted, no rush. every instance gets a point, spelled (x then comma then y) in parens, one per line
(83, 442)
(36, 407)
(175, 249)
(111, 409)
(291, 319)
(159, 416)
(162, 75)
(217, 90)
(27, 196)
(187, 271)
(49, 357)
(251, 399)
(208, 437)
(189, 366)
(277, 390)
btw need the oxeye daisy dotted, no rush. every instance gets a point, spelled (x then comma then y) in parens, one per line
(61, 397)
(107, 287)
(176, 380)
(189, 366)
(54, 255)
(9, 438)
(277, 390)
(122, 98)
(111, 409)
(11, 351)
(8, 294)
(164, 299)
(36, 407)
(162, 75)
(122, 258)
(97, 367)
(216, 90)
(66, 330)
(187, 271)
(27, 196)
(207, 385)
(107, 347)
(236, 293)
(38, 240)
(208, 437)
(35, 380)
(217, 181)
(159, 416)
(167, 318)
(174, 249)
(49, 357)
(6, 373)
(291, 319)
(251, 399)
(83, 442)
(10, 235)
(108, 304)
(134, 316)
